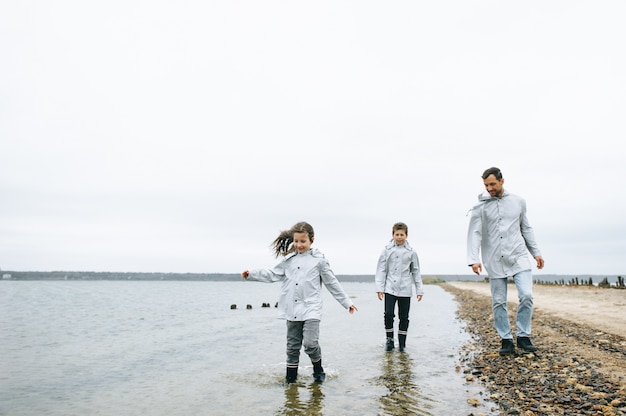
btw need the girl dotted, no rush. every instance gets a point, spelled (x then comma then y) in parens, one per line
(302, 270)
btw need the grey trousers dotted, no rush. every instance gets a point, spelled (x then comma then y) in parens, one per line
(301, 333)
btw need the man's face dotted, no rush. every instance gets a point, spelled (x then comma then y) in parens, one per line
(494, 186)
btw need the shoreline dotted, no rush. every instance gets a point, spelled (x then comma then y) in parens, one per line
(578, 368)
(600, 308)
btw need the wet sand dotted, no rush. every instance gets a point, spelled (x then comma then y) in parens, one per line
(580, 365)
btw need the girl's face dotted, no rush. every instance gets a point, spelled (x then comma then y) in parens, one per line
(302, 242)
(399, 236)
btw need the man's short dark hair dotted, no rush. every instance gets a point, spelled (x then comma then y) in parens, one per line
(492, 171)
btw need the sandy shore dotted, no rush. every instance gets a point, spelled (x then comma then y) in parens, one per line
(580, 365)
(603, 309)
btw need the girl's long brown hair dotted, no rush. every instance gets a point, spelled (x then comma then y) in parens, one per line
(283, 244)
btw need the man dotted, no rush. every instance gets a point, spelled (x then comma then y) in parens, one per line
(499, 228)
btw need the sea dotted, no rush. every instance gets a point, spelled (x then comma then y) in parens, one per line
(212, 348)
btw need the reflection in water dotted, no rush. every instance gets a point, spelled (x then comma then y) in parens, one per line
(309, 404)
(404, 396)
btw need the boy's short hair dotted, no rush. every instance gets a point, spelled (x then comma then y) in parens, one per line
(400, 226)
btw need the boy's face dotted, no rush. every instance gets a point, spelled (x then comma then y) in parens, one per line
(302, 242)
(399, 236)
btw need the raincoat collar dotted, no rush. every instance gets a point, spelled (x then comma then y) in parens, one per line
(484, 197)
(392, 244)
(311, 252)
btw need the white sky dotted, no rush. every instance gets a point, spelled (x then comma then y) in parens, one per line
(182, 136)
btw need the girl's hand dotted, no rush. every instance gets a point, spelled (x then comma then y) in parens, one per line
(352, 309)
(419, 298)
(381, 295)
(245, 274)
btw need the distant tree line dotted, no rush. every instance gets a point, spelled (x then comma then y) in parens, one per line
(65, 275)
(604, 283)
(224, 277)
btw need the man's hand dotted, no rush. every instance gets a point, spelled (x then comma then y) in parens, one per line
(540, 262)
(477, 268)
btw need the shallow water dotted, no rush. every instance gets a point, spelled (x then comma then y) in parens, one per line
(167, 347)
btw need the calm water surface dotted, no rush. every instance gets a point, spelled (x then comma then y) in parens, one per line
(176, 348)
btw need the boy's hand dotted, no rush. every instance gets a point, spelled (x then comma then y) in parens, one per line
(419, 298)
(352, 309)
(381, 295)
(245, 274)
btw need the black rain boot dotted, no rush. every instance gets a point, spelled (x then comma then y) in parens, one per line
(507, 347)
(292, 374)
(402, 342)
(318, 372)
(525, 344)
(389, 346)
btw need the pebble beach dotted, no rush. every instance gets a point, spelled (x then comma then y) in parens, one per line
(579, 367)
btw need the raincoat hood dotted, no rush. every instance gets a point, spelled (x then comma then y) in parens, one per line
(392, 244)
(484, 196)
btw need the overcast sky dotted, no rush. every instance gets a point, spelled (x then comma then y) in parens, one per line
(183, 136)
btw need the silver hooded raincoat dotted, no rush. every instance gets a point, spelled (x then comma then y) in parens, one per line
(398, 269)
(301, 293)
(499, 227)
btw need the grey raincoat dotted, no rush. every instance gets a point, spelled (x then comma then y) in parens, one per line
(499, 227)
(301, 293)
(398, 269)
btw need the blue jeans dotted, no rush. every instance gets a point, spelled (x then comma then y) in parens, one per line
(524, 283)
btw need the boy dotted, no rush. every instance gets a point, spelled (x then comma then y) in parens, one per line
(397, 271)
